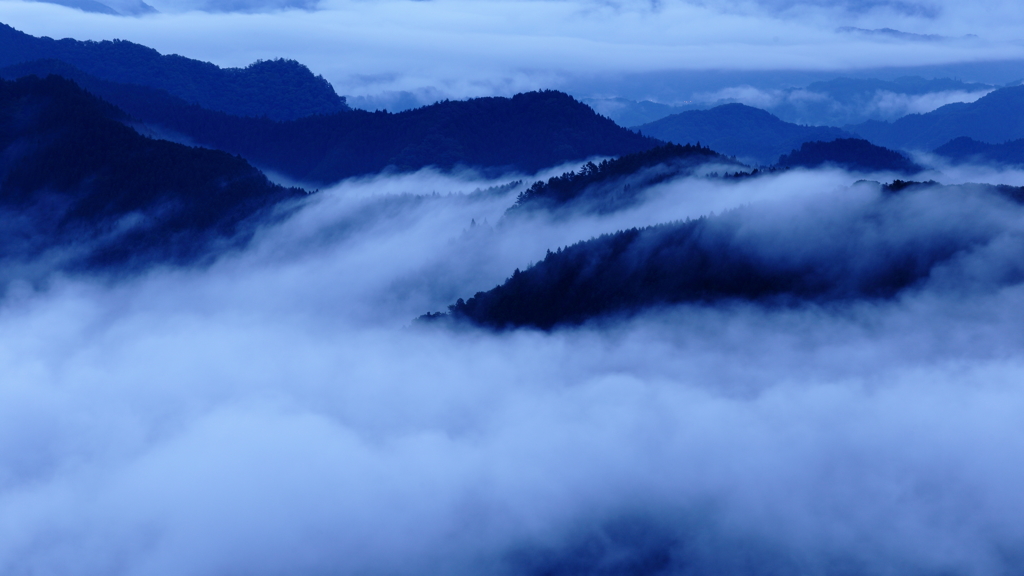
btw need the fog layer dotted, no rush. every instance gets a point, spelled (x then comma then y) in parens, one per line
(277, 413)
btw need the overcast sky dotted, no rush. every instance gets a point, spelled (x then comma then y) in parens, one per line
(463, 48)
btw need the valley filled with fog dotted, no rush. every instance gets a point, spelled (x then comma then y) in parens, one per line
(281, 410)
(511, 288)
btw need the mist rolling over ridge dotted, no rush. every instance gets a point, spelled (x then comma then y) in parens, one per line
(498, 333)
(216, 420)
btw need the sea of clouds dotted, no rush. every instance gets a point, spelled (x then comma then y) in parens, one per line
(279, 412)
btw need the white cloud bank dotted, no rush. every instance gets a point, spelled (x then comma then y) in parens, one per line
(273, 415)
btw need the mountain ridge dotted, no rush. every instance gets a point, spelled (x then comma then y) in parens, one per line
(750, 134)
(279, 89)
(995, 118)
(526, 132)
(74, 179)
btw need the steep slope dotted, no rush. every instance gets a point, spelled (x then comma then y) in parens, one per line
(864, 243)
(748, 133)
(278, 89)
(997, 117)
(962, 150)
(527, 132)
(79, 186)
(849, 153)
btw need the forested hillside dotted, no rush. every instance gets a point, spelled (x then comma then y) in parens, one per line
(850, 154)
(614, 184)
(79, 186)
(278, 89)
(874, 247)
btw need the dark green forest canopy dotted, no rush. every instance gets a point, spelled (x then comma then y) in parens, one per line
(73, 175)
(605, 185)
(851, 154)
(716, 258)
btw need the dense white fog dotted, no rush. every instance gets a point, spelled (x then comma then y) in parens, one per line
(279, 412)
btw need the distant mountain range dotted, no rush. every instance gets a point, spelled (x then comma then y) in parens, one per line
(995, 118)
(749, 134)
(843, 101)
(756, 136)
(527, 132)
(277, 89)
(835, 102)
(80, 188)
(282, 118)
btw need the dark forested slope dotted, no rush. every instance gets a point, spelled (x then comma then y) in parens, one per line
(997, 117)
(614, 184)
(279, 89)
(866, 243)
(851, 154)
(748, 133)
(74, 179)
(526, 132)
